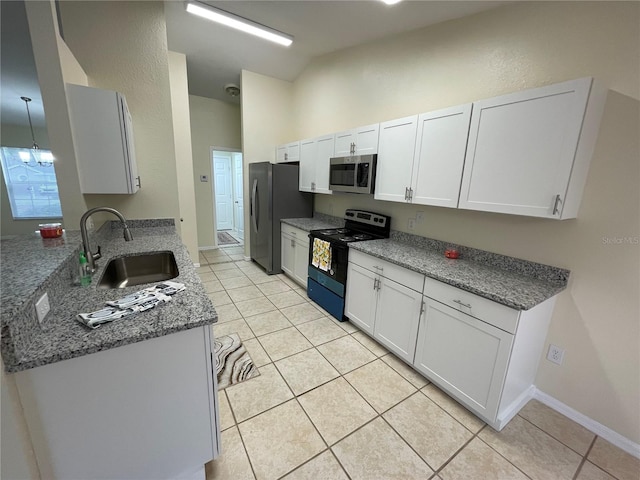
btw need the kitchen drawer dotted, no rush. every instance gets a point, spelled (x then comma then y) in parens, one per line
(403, 276)
(488, 311)
(295, 232)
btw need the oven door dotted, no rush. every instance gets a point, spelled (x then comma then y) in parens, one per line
(335, 278)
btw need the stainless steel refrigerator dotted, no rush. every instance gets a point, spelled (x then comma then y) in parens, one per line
(274, 195)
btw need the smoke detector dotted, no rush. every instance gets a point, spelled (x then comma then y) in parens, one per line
(232, 89)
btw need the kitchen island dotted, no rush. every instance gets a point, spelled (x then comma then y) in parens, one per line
(134, 398)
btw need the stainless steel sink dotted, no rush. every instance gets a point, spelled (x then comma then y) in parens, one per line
(137, 269)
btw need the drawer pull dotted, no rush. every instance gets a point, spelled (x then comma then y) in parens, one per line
(378, 268)
(459, 302)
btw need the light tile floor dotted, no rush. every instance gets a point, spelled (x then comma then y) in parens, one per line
(332, 404)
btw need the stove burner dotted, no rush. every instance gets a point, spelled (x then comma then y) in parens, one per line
(362, 236)
(334, 231)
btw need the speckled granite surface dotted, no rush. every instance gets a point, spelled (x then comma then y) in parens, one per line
(512, 282)
(29, 268)
(319, 221)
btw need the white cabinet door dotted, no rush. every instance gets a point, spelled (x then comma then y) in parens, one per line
(324, 151)
(281, 151)
(360, 299)
(103, 140)
(287, 247)
(343, 146)
(395, 159)
(307, 165)
(293, 152)
(359, 141)
(301, 262)
(463, 355)
(366, 139)
(521, 150)
(397, 318)
(440, 148)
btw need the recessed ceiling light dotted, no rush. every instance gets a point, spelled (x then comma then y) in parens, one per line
(391, 2)
(239, 23)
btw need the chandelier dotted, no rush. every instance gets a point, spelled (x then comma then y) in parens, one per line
(44, 159)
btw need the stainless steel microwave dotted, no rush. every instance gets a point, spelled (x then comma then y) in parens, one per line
(355, 174)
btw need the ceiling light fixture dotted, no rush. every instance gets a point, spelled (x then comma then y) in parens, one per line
(45, 159)
(391, 2)
(239, 23)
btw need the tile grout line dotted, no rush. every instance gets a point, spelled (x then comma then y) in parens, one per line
(584, 458)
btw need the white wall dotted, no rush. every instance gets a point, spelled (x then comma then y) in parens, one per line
(267, 121)
(213, 124)
(597, 319)
(122, 46)
(184, 157)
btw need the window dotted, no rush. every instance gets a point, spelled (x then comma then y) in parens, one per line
(31, 185)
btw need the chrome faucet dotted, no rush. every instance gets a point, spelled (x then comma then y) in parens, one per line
(92, 257)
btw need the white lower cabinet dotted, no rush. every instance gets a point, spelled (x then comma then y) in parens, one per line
(384, 308)
(294, 253)
(463, 355)
(482, 353)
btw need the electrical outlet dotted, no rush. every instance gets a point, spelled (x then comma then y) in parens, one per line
(555, 354)
(411, 224)
(42, 307)
(419, 216)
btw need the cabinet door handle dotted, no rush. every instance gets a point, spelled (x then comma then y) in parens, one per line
(286, 155)
(422, 307)
(293, 243)
(375, 283)
(556, 202)
(410, 194)
(459, 302)
(139, 182)
(406, 194)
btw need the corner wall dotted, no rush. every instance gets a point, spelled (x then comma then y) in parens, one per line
(213, 124)
(122, 46)
(511, 48)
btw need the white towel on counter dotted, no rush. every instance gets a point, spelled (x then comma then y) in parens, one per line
(321, 254)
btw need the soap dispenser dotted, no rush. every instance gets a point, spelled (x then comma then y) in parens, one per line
(83, 271)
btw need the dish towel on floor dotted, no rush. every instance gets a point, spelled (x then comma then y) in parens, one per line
(321, 254)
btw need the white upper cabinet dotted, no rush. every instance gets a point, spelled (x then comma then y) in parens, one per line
(395, 159)
(359, 141)
(289, 152)
(529, 152)
(307, 165)
(420, 158)
(314, 164)
(103, 140)
(441, 144)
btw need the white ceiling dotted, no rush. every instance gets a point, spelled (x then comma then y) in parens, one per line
(217, 54)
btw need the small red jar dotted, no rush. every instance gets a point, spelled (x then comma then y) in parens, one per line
(50, 230)
(451, 253)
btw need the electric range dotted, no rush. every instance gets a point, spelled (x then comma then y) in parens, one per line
(327, 271)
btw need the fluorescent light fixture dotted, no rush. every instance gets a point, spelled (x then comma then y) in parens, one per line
(239, 23)
(391, 2)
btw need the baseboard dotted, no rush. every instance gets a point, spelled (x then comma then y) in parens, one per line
(196, 264)
(513, 409)
(247, 259)
(208, 248)
(606, 433)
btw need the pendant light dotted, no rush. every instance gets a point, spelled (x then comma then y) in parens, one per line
(45, 159)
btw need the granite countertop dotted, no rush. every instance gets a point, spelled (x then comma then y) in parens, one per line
(30, 267)
(315, 223)
(512, 282)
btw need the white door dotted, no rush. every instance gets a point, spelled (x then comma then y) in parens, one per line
(223, 191)
(287, 254)
(301, 263)
(521, 150)
(463, 355)
(441, 144)
(343, 144)
(238, 194)
(366, 139)
(361, 297)
(397, 318)
(395, 159)
(307, 165)
(324, 151)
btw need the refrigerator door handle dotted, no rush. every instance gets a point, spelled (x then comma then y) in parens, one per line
(254, 207)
